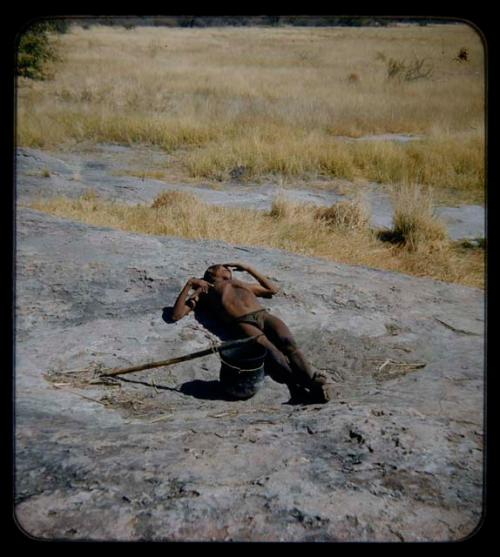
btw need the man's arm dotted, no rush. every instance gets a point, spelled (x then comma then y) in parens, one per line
(265, 288)
(183, 305)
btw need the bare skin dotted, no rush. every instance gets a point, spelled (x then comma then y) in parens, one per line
(228, 299)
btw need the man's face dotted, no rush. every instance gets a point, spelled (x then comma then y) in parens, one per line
(225, 273)
(218, 272)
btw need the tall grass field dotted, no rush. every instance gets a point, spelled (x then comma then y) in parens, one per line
(286, 102)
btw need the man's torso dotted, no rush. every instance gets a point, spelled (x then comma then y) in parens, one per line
(231, 299)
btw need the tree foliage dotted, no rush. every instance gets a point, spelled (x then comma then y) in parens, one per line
(36, 48)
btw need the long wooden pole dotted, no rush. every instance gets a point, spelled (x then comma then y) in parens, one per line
(179, 359)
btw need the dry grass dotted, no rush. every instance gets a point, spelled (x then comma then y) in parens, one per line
(346, 215)
(272, 100)
(296, 228)
(174, 199)
(282, 208)
(455, 162)
(415, 224)
(143, 173)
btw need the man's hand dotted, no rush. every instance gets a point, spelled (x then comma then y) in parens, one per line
(199, 284)
(265, 288)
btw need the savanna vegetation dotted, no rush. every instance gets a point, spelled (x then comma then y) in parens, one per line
(419, 244)
(280, 103)
(274, 101)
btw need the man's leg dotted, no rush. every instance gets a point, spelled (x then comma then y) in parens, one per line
(280, 335)
(277, 365)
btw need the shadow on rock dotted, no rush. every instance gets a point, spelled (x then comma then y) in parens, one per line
(205, 390)
(146, 384)
(216, 327)
(167, 315)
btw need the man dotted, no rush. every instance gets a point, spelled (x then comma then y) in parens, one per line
(235, 303)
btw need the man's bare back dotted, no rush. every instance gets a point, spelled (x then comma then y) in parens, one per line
(235, 302)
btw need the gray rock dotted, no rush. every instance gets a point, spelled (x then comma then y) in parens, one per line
(467, 221)
(160, 455)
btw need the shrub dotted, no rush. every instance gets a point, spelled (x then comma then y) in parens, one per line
(418, 69)
(353, 215)
(60, 25)
(283, 208)
(463, 55)
(346, 215)
(36, 49)
(415, 225)
(174, 198)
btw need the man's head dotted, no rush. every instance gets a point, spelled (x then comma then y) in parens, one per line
(217, 272)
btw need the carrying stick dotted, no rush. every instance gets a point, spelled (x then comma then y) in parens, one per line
(171, 361)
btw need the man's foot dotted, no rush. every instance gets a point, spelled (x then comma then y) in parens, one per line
(298, 395)
(322, 389)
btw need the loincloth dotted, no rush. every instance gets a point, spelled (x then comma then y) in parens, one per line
(255, 318)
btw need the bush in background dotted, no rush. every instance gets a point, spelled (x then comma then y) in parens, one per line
(36, 48)
(415, 225)
(352, 214)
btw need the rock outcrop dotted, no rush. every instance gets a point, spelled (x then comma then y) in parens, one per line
(161, 455)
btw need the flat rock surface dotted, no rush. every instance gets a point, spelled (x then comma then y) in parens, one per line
(103, 169)
(161, 455)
